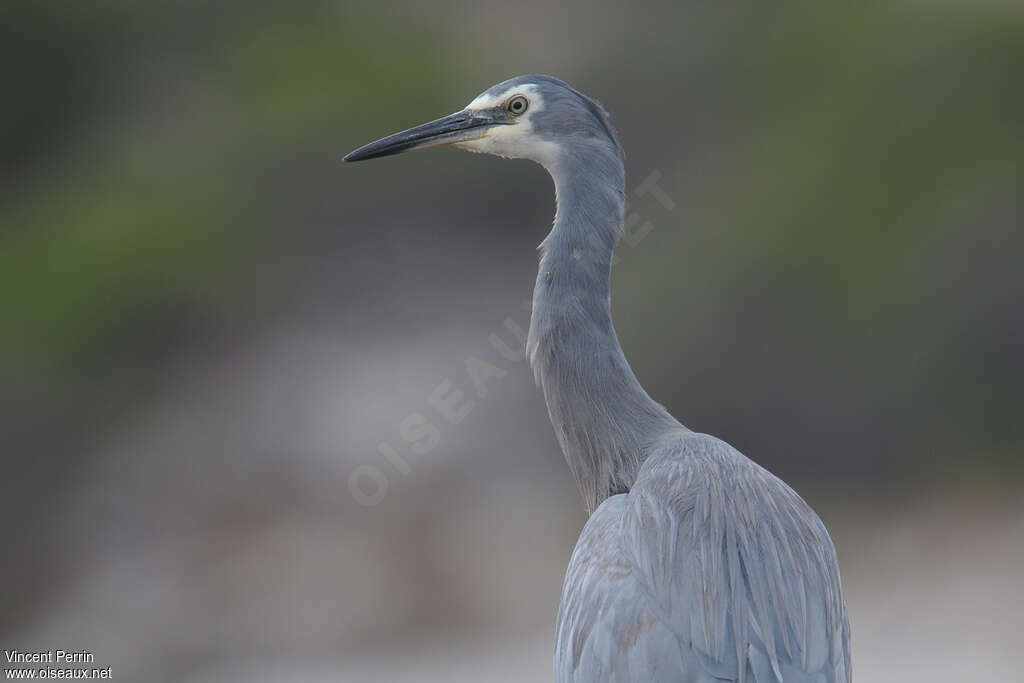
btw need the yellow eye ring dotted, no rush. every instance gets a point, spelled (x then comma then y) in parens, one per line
(517, 105)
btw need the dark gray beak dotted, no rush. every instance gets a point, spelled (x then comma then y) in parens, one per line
(457, 127)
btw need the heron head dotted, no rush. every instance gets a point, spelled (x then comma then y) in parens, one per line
(527, 117)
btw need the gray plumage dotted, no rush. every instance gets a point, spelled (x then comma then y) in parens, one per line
(696, 564)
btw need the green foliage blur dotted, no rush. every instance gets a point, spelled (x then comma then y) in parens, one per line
(861, 177)
(137, 145)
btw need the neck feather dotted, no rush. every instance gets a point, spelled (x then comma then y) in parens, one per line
(602, 416)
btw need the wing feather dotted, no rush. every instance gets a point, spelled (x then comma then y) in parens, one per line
(709, 569)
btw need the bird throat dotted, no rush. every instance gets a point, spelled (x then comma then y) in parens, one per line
(602, 417)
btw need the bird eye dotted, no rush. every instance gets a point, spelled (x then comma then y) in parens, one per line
(517, 105)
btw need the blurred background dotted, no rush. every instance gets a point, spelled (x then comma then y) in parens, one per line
(216, 336)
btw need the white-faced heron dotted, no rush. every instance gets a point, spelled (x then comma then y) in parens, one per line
(696, 564)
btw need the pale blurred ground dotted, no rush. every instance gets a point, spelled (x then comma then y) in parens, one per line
(209, 323)
(225, 559)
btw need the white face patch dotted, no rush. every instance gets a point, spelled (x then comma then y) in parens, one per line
(485, 101)
(515, 140)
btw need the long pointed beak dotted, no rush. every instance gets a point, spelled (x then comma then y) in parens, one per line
(457, 127)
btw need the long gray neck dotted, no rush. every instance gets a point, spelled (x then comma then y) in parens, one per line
(602, 416)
